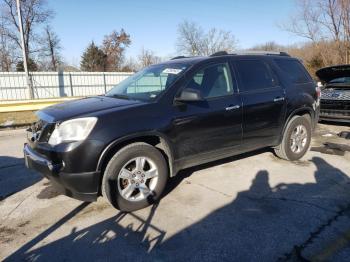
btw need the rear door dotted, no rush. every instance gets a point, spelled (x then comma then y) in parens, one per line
(263, 101)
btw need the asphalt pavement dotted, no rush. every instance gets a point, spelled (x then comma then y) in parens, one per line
(252, 207)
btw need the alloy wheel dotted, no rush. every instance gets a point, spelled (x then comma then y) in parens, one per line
(298, 139)
(137, 179)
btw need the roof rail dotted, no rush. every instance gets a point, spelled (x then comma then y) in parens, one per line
(254, 52)
(219, 53)
(178, 57)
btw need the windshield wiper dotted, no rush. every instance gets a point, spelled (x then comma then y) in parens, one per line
(120, 96)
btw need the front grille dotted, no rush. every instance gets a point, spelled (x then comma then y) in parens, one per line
(41, 131)
(335, 94)
(38, 126)
(335, 108)
(336, 105)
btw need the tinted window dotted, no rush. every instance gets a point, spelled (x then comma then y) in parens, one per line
(255, 74)
(212, 81)
(341, 80)
(294, 70)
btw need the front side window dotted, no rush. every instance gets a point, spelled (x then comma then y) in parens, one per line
(255, 75)
(149, 83)
(212, 81)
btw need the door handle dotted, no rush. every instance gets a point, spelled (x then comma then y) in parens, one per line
(277, 99)
(232, 107)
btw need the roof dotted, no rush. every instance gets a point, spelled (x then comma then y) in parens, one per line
(195, 59)
(186, 60)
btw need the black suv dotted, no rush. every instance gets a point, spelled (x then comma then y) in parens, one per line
(170, 116)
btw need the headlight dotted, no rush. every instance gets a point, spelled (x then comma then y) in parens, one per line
(72, 130)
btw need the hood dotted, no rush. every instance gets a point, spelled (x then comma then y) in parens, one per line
(83, 106)
(327, 74)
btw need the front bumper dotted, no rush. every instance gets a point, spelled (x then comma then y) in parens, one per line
(335, 110)
(82, 186)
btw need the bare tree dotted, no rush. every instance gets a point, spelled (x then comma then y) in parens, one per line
(269, 46)
(114, 46)
(305, 22)
(331, 20)
(130, 65)
(326, 24)
(34, 13)
(190, 37)
(51, 48)
(344, 6)
(147, 57)
(218, 40)
(345, 13)
(6, 51)
(193, 40)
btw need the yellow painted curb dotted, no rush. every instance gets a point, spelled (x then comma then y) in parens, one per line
(30, 105)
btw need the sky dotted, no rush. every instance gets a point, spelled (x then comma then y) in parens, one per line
(152, 24)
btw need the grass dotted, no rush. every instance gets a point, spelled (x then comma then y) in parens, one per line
(15, 119)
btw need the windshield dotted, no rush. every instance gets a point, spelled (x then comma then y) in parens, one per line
(149, 83)
(340, 80)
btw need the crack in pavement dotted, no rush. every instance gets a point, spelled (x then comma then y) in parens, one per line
(211, 189)
(19, 204)
(301, 202)
(266, 197)
(296, 252)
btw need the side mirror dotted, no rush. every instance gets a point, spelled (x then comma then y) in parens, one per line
(189, 95)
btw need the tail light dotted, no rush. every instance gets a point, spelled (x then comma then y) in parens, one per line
(318, 91)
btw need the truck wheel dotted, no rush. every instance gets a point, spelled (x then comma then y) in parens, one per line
(135, 177)
(296, 139)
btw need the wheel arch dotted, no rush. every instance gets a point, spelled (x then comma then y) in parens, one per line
(155, 139)
(298, 112)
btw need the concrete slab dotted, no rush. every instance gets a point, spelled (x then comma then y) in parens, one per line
(253, 207)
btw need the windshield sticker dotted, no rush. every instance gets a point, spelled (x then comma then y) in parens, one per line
(173, 71)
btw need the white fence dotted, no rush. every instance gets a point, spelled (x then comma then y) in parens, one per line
(13, 85)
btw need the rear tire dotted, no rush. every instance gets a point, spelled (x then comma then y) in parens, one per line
(135, 177)
(296, 139)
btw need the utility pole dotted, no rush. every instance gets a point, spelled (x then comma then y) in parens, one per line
(25, 52)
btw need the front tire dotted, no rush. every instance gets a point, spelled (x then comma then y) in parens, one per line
(296, 139)
(135, 177)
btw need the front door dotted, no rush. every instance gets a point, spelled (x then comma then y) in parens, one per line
(203, 130)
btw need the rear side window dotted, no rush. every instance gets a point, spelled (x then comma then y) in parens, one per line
(294, 70)
(255, 75)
